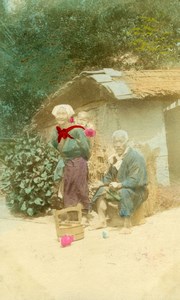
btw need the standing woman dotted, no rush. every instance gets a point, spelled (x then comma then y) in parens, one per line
(74, 149)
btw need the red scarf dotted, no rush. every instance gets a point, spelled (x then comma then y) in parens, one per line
(64, 133)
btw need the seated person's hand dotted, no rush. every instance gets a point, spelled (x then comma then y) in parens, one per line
(113, 186)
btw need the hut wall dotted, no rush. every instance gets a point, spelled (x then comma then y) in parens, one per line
(143, 120)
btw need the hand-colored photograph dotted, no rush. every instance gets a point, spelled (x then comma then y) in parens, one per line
(89, 150)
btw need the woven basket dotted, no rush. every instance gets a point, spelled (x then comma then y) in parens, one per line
(69, 227)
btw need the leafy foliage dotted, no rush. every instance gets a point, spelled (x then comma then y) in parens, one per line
(27, 179)
(44, 44)
(152, 41)
(6, 149)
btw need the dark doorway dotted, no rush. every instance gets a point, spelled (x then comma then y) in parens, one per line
(172, 123)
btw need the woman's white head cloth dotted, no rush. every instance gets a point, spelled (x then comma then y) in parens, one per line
(68, 108)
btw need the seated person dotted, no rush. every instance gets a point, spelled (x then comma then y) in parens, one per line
(125, 183)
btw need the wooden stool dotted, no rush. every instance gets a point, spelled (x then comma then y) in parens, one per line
(68, 221)
(138, 217)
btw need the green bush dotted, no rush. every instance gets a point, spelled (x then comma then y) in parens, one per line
(28, 176)
(6, 148)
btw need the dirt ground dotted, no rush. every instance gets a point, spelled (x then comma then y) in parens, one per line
(144, 265)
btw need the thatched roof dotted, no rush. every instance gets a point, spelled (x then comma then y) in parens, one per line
(111, 85)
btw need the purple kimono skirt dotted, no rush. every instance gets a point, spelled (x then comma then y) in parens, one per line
(76, 183)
